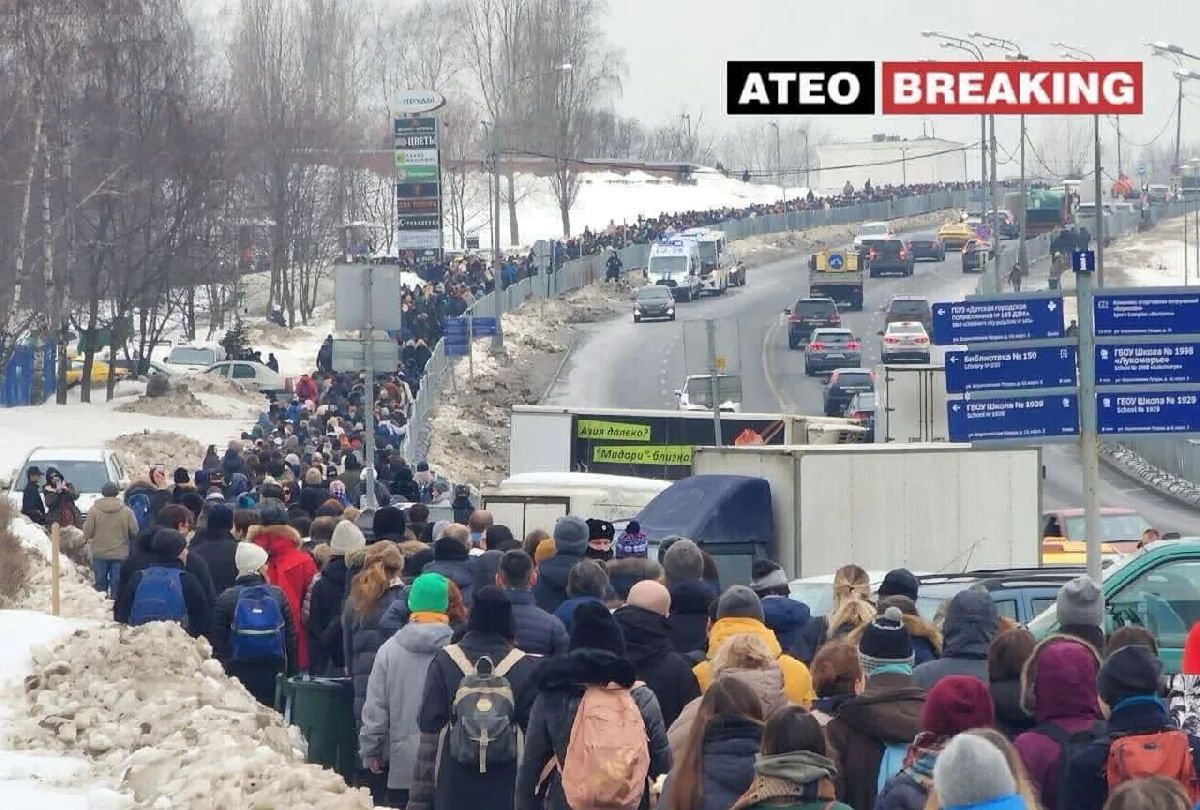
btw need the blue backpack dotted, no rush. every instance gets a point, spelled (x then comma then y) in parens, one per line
(890, 764)
(140, 504)
(257, 630)
(159, 597)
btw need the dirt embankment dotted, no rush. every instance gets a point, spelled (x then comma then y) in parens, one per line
(769, 247)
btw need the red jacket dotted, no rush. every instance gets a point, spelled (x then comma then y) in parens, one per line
(290, 569)
(306, 388)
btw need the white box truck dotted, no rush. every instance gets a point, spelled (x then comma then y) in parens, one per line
(910, 404)
(926, 507)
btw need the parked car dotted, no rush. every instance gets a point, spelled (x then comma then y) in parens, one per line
(926, 246)
(255, 376)
(193, 357)
(696, 394)
(888, 256)
(975, 256)
(828, 349)
(653, 301)
(86, 468)
(904, 341)
(99, 376)
(809, 314)
(1019, 593)
(843, 384)
(862, 410)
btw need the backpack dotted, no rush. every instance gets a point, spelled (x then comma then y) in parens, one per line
(890, 763)
(139, 502)
(482, 729)
(159, 597)
(1068, 746)
(257, 629)
(607, 761)
(1162, 753)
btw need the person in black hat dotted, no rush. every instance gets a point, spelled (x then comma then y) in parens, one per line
(169, 549)
(899, 582)
(489, 633)
(32, 505)
(216, 544)
(600, 539)
(596, 658)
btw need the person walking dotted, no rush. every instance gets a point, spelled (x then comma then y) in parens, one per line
(32, 505)
(216, 545)
(794, 770)
(1007, 655)
(538, 632)
(851, 609)
(110, 527)
(372, 592)
(785, 616)
(288, 567)
(691, 596)
(163, 589)
(570, 545)
(970, 625)
(643, 622)
(326, 601)
(837, 677)
(1015, 275)
(972, 772)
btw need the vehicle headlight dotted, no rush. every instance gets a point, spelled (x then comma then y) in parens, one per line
(670, 310)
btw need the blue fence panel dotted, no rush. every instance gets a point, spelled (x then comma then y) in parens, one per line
(49, 369)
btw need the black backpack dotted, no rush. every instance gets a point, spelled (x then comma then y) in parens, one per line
(1068, 746)
(483, 730)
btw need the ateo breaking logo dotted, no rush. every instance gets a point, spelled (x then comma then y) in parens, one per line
(934, 88)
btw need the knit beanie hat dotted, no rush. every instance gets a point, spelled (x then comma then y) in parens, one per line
(429, 593)
(346, 538)
(571, 536)
(1080, 602)
(167, 543)
(683, 561)
(651, 595)
(181, 476)
(969, 771)
(249, 558)
(885, 642)
(594, 627)
(955, 704)
(388, 522)
(274, 515)
(544, 551)
(1129, 672)
(739, 602)
(491, 612)
(769, 580)
(632, 543)
(899, 582)
(220, 518)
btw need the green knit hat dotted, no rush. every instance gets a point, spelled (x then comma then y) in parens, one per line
(430, 593)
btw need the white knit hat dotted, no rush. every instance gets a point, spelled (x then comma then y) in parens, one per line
(249, 558)
(347, 538)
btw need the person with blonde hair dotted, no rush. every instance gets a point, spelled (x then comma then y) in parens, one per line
(1149, 793)
(372, 591)
(852, 609)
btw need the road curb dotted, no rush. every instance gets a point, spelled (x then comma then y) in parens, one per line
(561, 365)
(1127, 463)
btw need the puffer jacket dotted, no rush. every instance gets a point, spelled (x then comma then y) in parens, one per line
(690, 599)
(218, 549)
(969, 628)
(786, 618)
(361, 639)
(561, 682)
(110, 527)
(289, 569)
(1011, 719)
(451, 560)
(550, 590)
(726, 763)
(1058, 685)
(666, 672)
(797, 681)
(393, 702)
(538, 632)
(767, 683)
(323, 625)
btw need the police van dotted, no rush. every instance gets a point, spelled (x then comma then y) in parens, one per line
(675, 263)
(714, 275)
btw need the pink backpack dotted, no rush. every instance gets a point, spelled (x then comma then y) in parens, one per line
(608, 753)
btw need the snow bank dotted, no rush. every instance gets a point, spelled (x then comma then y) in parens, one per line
(142, 450)
(77, 598)
(1155, 258)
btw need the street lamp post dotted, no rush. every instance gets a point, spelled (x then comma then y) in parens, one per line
(779, 164)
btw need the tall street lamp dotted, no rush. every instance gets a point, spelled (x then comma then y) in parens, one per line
(947, 40)
(1080, 55)
(1175, 54)
(779, 164)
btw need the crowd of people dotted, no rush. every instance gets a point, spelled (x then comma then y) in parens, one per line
(572, 670)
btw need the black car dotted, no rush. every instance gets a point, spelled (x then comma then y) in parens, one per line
(888, 256)
(807, 315)
(843, 384)
(653, 301)
(862, 410)
(909, 308)
(975, 256)
(1019, 593)
(1006, 227)
(926, 246)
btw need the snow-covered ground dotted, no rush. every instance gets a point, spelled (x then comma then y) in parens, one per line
(1156, 258)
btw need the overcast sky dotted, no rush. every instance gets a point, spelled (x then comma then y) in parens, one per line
(676, 50)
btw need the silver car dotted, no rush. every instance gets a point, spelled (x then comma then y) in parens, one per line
(905, 341)
(828, 349)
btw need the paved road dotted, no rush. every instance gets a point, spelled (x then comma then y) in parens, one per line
(622, 364)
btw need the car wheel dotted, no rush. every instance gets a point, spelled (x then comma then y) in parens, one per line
(792, 344)
(637, 319)
(808, 372)
(671, 318)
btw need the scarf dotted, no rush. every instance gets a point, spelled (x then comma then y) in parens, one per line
(921, 756)
(801, 775)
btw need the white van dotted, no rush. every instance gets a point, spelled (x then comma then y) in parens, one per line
(714, 275)
(194, 357)
(675, 264)
(536, 500)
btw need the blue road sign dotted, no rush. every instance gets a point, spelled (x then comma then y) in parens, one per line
(835, 261)
(1148, 312)
(1153, 412)
(456, 343)
(1010, 369)
(483, 327)
(1147, 363)
(455, 348)
(972, 420)
(994, 320)
(456, 326)
(1083, 261)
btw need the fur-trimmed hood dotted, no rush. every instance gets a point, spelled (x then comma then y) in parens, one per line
(275, 539)
(1059, 679)
(916, 626)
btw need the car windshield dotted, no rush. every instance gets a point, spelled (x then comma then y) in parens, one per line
(855, 379)
(863, 402)
(1112, 527)
(652, 292)
(873, 229)
(192, 356)
(906, 329)
(909, 307)
(668, 264)
(86, 476)
(809, 307)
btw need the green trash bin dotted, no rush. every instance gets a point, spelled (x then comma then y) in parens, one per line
(323, 709)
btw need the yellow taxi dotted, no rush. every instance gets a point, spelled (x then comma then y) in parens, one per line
(1062, 551)
(99, 371)
(955, 234)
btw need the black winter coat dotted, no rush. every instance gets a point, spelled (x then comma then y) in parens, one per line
(199, 608)
(689, 614)
(311, 498)
(452, 561)
(550, 590)
(655, 662)
(217, 549)
(1011, 719)
(222, 624)
(538, 632)
(727, 764)
(458, 785)
(324, 623)
(361, 639)
(32, 505)
(140, 556)
(561, 682)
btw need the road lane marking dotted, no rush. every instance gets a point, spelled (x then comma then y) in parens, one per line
(768, 342)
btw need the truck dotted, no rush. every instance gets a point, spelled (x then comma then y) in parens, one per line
(837, 274)
(675, 264)
(910, 403)
(925, 507)
(714, 272)
(649, 443)
(530, 501)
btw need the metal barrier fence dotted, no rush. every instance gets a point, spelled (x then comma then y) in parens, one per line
(587, 269)
(1171, 454)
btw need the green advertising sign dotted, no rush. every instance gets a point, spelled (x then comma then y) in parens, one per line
(601, 429)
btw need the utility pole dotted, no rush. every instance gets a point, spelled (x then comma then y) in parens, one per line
(1022, 253)
(807, 173)
(710, 329)
(1178, 120)
(368, 342)
(497, 274)
(995, 206)
(1089, 451)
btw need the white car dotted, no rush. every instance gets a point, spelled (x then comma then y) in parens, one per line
(194, 358)
(905, 341)
(696, 395)
(252, 375)
(87, 468)
(817, 592)
(872, 230)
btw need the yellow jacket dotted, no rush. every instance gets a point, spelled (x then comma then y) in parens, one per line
(797, 681)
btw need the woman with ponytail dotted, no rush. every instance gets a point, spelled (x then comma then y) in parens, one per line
(852, 609)
(372, 591)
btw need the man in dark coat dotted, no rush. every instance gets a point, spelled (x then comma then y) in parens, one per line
(570, 546)
(388, 524)
(32, 505)
(690, 597)
(537, 632)
(142, 555)
(968, 630)
(452, 560)
(326, 601)
(258, 676)
(785, 616)
(215, 543)
(643, 621)
(168, 549)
